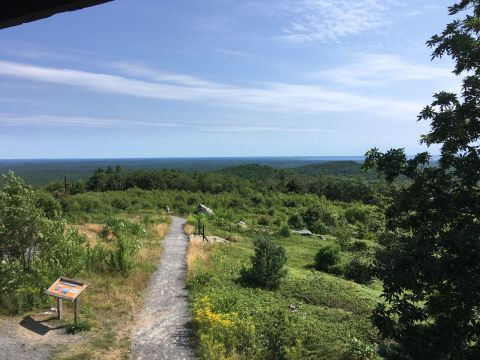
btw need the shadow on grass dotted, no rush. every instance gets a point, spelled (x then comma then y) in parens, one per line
(37, 326)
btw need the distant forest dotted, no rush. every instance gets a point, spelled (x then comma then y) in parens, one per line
(41, 172)
(354, 184)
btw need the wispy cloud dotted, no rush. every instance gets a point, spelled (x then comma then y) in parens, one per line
(52, 121)
(269, 97)
(330, 20)
(255, 129)
(42, 121)
(380, 69)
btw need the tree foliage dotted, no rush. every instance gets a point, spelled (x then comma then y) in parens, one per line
(267, 265)
(34, 246)
(431, 264)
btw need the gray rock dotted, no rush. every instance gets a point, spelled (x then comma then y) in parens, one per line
(241, 224)
(303, 232)
(204, 209)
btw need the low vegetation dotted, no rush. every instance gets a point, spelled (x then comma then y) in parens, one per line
(116, 258)
(308, 314)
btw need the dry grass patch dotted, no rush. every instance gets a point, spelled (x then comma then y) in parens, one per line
(189, 229)
(197, 252)
(161, 229)
(90, 231)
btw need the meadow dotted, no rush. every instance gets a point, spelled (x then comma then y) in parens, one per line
(313, 314)
(316, 312)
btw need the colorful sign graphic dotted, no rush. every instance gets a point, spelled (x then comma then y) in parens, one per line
(67, 289)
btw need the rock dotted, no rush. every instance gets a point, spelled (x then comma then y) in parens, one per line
(208, 239)
(304, 232)
(293, 308)
(241, 224)
(322, 237)
(204, 209)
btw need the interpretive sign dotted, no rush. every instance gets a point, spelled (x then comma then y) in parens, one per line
(67, 289)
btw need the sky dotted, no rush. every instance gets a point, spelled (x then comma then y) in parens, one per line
(221, 78)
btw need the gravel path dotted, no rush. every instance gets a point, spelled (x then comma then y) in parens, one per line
(28, 339)
(161, 331)
(14, 347)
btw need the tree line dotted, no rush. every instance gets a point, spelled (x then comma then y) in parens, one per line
(244, 179)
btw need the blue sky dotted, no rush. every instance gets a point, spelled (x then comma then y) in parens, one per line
(221, 78)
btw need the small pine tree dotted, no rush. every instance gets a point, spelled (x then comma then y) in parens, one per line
(327, 257)
(267, 265)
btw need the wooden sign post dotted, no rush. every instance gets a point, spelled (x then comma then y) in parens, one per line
(67, 289)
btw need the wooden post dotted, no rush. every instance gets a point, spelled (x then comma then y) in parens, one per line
(59, 308)
(203, 233)
(77, 309)
(65, 184)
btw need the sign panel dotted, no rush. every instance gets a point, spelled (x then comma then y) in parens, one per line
(67, 289)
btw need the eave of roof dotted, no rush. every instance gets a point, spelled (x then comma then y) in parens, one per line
(16, 12)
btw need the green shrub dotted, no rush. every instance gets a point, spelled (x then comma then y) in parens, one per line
(284, 231)
(358, 246)
(115, 227)
(200, 280)
(120, 203)
(122, 257)
(97, 258)
(325, 213)
(358, 350)
(344, 237)
(327, 257)
(50, 206)
(263, 220)
(267, 268)
(319, 228)
(360, 270)
(296, 221)
(20, 290)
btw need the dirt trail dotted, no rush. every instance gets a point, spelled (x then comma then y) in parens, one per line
(161, 330)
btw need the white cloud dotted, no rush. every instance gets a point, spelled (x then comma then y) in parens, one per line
(269, 97)
(380, 69)
(42, 121)
(145, 72)
(51, 121)
(330, 20)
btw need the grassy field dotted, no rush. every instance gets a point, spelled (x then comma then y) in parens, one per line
(110, 303)
(313, 315)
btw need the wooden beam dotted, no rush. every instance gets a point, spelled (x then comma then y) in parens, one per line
(16, 12)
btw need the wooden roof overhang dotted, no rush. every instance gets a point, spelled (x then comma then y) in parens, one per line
(16, 12)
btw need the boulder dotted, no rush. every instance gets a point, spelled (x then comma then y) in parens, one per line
(241, 224)
(304, 232)
(202, 208)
